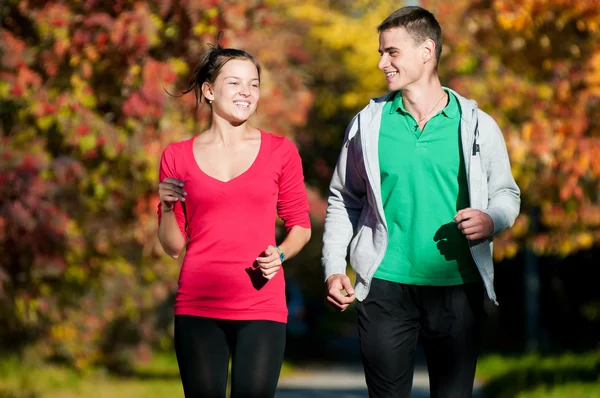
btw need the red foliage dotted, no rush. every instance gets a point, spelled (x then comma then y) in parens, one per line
(88, 118)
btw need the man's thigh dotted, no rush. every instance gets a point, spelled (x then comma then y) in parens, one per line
(388, 331)
(451, 324)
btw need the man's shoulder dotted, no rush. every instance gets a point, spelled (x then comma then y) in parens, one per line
(375, 105)
(466, 104)
(486, 121)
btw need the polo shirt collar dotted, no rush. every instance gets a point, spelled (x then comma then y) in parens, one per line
(450, 111)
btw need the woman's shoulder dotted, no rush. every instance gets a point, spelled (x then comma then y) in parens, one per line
(177, 148)
(278, 142)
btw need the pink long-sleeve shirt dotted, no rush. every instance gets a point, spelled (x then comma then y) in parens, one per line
(229, 224)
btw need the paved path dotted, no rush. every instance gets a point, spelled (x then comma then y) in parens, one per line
(341, 382)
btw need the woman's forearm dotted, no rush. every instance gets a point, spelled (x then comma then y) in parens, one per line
(169, 234)
(295, 240)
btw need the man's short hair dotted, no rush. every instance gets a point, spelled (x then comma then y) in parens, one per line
(419, 23)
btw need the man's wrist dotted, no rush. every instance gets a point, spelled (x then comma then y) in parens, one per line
(166, 208)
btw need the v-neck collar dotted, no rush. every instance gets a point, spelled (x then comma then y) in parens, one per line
(246, 175)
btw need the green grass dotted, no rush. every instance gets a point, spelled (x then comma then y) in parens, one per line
(19, 380)
(529, 376)
(567, 375)
(158, 378)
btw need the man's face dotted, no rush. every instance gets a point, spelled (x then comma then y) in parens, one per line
(402, 60)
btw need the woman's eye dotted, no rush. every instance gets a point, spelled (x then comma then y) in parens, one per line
(234, 83)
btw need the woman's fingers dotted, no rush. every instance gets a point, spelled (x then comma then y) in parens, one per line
(270, 273)
(174, 181)
(269, 264)
(171, 190)
(171, 198)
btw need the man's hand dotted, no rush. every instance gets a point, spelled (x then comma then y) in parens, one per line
(474, 224)
(270, 263)
(340, 291)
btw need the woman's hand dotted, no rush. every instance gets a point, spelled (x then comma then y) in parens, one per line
(270, 263)
(171, 191)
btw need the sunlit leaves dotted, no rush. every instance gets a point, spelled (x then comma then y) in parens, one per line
(538, 76)
(84, 117)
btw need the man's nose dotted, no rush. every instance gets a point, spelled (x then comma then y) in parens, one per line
(383, 62)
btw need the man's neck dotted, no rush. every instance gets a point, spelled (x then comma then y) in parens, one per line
(422, 100)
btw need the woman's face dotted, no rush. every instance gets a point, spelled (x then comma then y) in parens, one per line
(236, 91)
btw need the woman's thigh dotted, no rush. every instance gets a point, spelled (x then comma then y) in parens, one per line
(202, 353)
(258, 350)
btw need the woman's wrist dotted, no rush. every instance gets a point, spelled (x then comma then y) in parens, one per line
(165, 208)
(281, 253)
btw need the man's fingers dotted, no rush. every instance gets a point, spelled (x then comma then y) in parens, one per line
(341, 307)
(337, 295)
(472, 230)
(347, 285)
(475, 236)
(470, 223)
(464, 214)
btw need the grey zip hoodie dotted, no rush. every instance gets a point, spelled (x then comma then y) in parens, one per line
(355, 216)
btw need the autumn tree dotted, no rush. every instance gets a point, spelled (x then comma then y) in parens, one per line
(83, 119)
(341, 37)
(534, 66)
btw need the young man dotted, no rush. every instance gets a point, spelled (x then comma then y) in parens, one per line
(422, 185)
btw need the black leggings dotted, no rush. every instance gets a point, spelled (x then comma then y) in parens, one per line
(203, 347)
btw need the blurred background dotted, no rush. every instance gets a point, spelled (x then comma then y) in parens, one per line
(86, 292)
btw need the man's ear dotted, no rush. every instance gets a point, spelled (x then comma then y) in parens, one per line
(428, 50)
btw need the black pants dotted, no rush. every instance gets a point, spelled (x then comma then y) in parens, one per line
(447, 320)
(203, 347)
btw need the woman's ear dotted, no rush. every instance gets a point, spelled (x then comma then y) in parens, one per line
(207, 92)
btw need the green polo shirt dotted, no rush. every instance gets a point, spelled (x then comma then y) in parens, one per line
(423, 185)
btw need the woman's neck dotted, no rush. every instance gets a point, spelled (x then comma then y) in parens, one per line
(225, 133)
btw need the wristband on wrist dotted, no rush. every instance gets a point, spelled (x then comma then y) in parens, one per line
(281, 253)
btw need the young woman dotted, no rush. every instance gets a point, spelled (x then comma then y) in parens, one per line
(220, 193)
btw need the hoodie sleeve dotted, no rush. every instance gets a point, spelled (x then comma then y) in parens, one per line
(345, 201)
(504, 196)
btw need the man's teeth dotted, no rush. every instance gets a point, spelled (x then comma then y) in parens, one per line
(390, 74)
(241, 103)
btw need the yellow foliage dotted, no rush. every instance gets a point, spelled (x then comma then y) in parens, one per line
(211, 12)
(351, 32)
(179, 66)
(585, 240)
(157, 21)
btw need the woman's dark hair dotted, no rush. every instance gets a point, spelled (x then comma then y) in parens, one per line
(211, 64)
